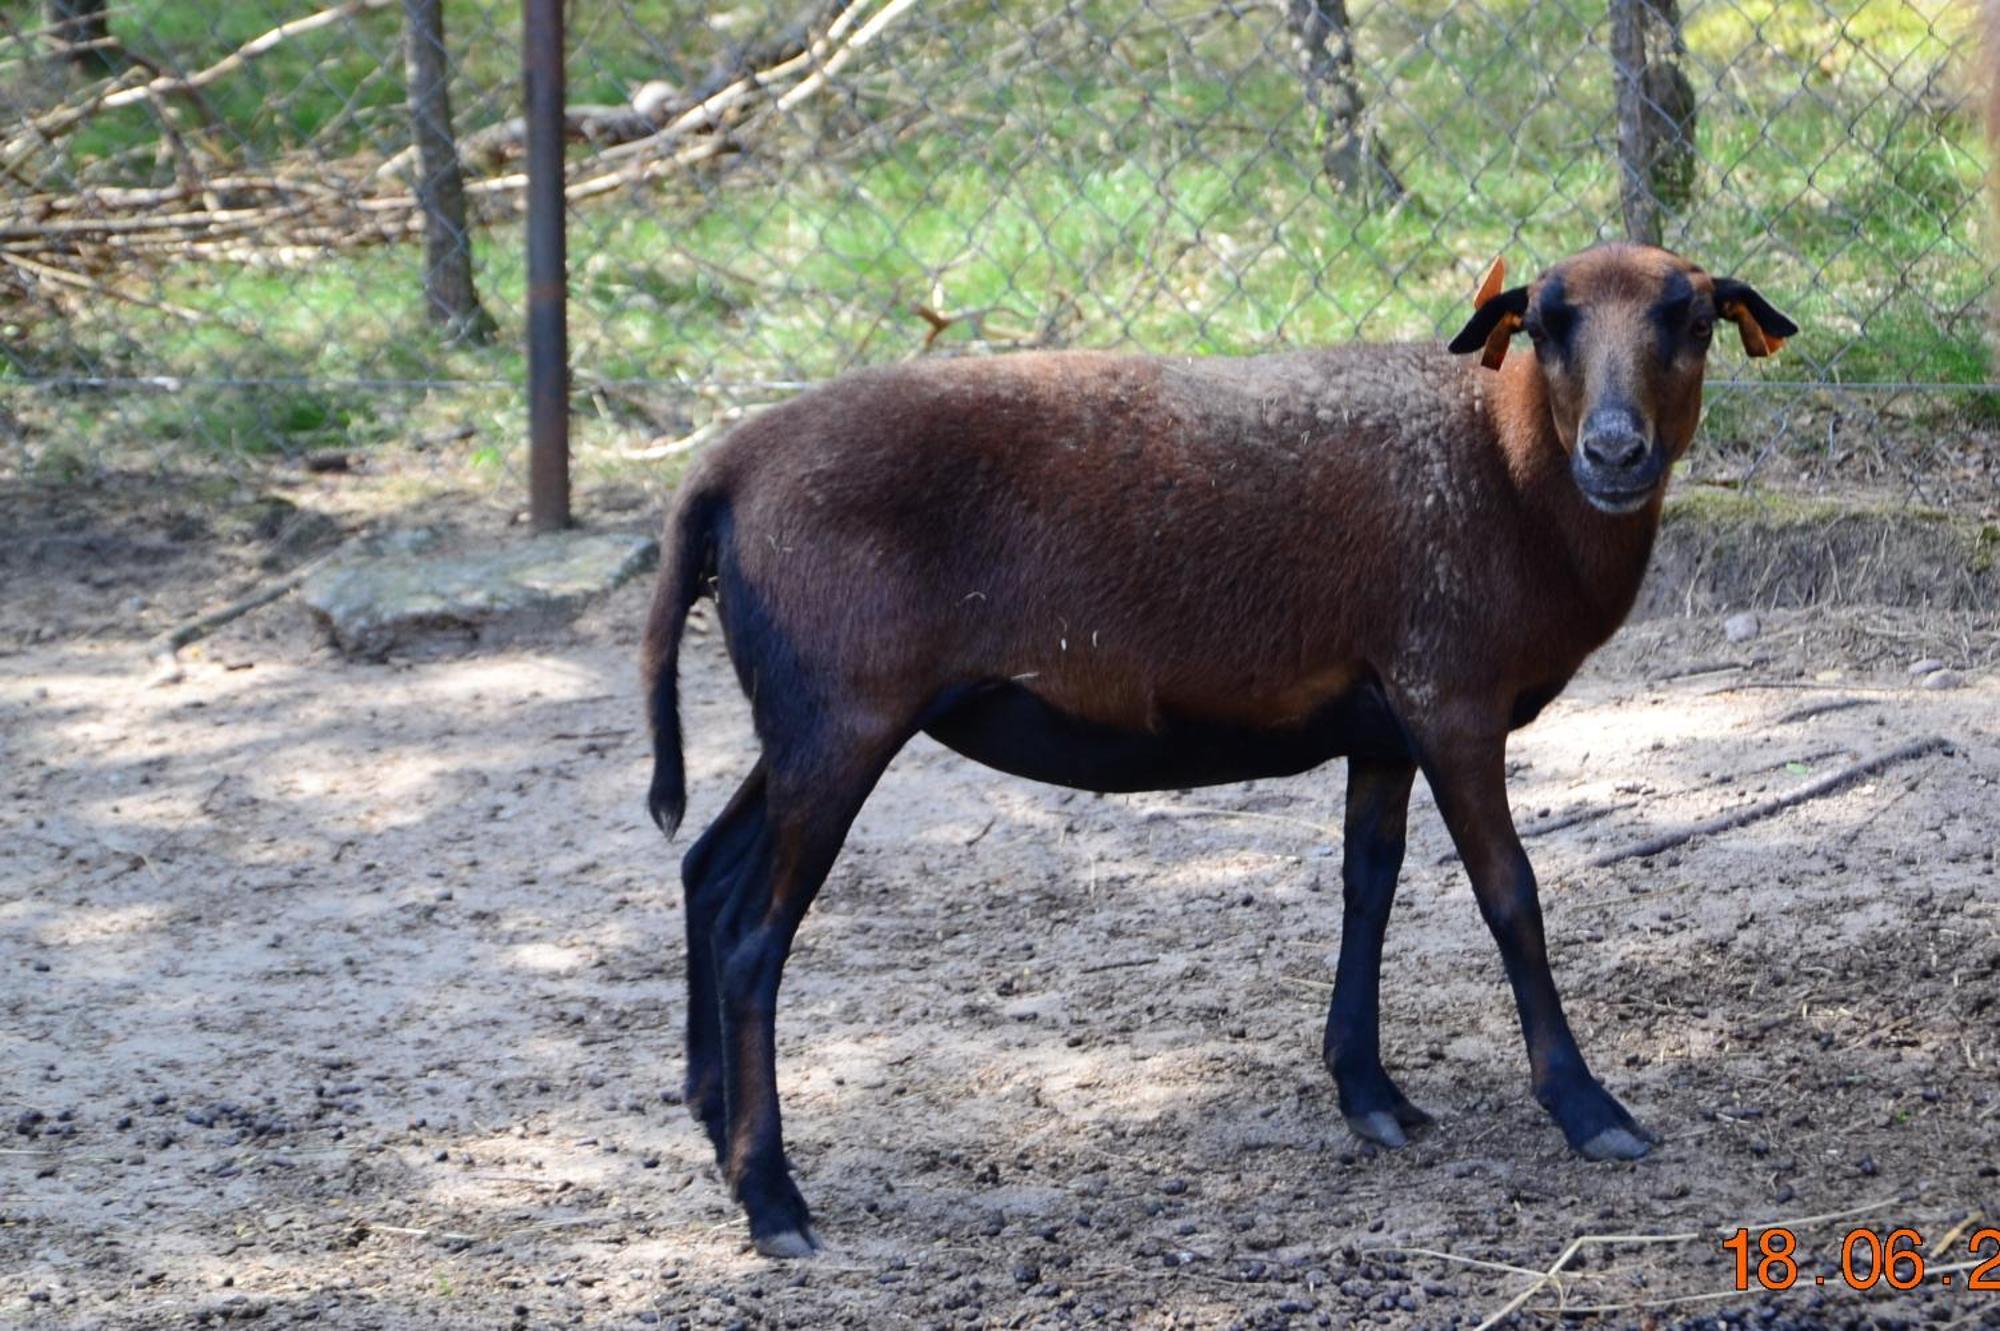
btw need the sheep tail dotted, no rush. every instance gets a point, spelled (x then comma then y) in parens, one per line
(687, 563)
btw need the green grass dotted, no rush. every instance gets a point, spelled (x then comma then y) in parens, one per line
(1155, 192)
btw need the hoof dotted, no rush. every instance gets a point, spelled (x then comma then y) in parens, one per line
(1596, 1126)
(1390, 1127)
(1379, 1127)
(780, 1226)
(788, 1244)
(1618, 1144)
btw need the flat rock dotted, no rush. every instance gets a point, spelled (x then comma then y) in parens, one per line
(1741, 628)
(406, 595)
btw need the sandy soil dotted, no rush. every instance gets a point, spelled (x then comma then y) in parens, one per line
(351, 995)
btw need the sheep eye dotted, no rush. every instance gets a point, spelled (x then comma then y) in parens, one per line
(1551, 322)
(1702, 329)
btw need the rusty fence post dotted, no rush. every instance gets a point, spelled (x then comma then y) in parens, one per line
(548, 328)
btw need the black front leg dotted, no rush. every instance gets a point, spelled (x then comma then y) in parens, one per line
(1467, 773)
(1378, 803)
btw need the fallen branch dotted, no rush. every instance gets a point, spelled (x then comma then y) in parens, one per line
(488, 148)
(707, 113)
(1705, 668)
(1575, 818)
(307, 207)
(687, 443)
(256, 46)
(1854, 833)
(1156, 812)
(122, 91)
(165, 651)
(1813, 709)
(44, 129)
(888, 14)
(450, 1236)
(67, 278)
(1752, 813)
(1119, 965)
(834, 49)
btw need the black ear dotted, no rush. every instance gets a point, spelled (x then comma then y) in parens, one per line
(1491, 325)
(1763, 328)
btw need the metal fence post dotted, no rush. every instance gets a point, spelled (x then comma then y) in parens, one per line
(548, 329)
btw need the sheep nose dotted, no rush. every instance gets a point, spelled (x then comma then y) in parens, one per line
(1612, 438)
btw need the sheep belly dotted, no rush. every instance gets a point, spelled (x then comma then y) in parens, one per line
(1006, 727)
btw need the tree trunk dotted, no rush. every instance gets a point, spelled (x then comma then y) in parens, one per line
(1656, 114)
(1628, 71)
(449, 294)
(81, 32)
(1669, 106)
(1323, 38)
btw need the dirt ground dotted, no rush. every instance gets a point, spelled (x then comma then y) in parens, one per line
(351, 995)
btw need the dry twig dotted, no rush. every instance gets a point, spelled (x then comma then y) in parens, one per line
(1752, 813)
(165, 651)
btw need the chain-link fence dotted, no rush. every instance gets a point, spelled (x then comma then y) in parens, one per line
(214, 218)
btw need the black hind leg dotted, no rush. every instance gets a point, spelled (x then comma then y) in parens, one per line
(1378, 803)
(811, 800)
(709, 873)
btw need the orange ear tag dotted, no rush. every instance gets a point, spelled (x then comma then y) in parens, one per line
(1503, 332)
(1489, 287)
(1498, 340)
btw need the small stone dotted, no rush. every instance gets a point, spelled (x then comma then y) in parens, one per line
(1943, 679)
(1741, 628)
(655, 99)
(1929, 665)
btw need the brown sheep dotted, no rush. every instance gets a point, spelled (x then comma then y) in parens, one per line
(1132, 573)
